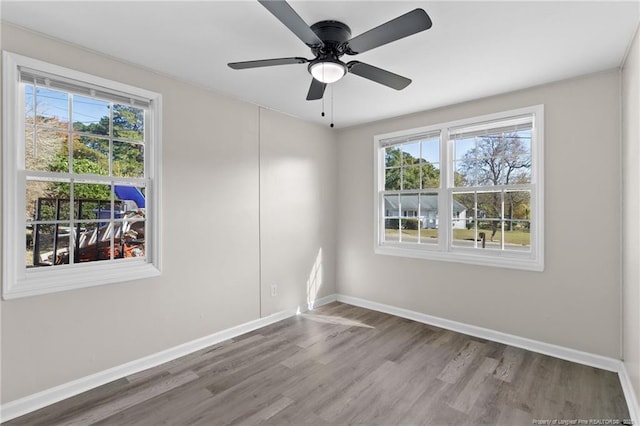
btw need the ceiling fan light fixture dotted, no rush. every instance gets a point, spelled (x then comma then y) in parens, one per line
(327, 71)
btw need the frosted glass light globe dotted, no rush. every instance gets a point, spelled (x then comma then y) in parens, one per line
(328, 72)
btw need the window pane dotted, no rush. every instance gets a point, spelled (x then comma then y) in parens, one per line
(521, 170)
(91, 209)
(517, 205)
(430, 175)
(44, 208)
(410, 224)
(91, 191)
(464, 204)
(392, 179)
(37, 190)
(410, 153)
(29, 106)
(131, 198)
(464, 148)
(29, 254)
(128, 122)
(90, 115)
(51, 108)
(517, 235)
(93, 242)
(490, 234)
(409, 229)
(409, 205)
(128, 159)
(431, 150)
(428, 218)
(464, 236)
(49, 151)
(489, 172)
(519, 143)
(428, 235)
(50, 245)
(391, 212)
(133, 236)
(90, 155)
(391, 205)
(463, 219)
(392, 156)
(411, 177)
(524, 137)
(489, 205)
(465, 173)
(391, 230)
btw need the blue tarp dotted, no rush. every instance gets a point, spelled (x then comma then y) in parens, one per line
(130, 193)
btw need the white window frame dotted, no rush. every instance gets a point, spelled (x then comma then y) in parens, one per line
(17, 280)
(532, 260)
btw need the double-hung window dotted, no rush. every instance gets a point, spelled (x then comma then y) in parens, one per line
(81, 183)
(467, 191)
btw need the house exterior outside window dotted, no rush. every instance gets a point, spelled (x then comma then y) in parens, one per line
(81, 192)
(466, 191)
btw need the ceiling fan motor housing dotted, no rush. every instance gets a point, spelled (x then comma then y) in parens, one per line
(334, 35)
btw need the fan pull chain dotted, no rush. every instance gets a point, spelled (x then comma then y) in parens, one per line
(331, 125)
(323, 96)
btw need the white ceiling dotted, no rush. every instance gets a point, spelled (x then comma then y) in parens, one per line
(474, 49)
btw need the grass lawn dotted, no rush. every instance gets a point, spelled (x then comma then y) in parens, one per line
(520, 238)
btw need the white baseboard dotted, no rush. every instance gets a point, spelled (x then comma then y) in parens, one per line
(609, 364)
(629, 394)
(50, 396)
(322, 301)
(573, 355)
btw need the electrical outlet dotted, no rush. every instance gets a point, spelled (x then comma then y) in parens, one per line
(274, 290)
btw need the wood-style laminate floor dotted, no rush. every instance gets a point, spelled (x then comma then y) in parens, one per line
(342, 364)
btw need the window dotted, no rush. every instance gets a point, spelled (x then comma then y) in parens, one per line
(466, 191)
(81, 189)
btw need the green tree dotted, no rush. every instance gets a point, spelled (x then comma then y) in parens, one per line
(128, 122)
(85, 161)
(403, 171)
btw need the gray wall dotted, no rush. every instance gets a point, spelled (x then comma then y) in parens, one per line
(298, 174)
(575, 302)
(212, 233)
(631, 213)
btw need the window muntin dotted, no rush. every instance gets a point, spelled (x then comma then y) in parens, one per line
(81, 159)
(489, 183)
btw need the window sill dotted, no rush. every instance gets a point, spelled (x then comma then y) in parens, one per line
(498, 259)
(45, 280)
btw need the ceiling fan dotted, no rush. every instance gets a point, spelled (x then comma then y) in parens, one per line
(330, 40)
